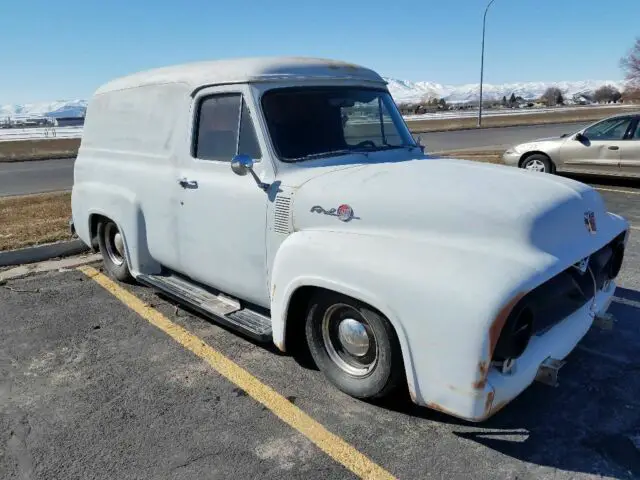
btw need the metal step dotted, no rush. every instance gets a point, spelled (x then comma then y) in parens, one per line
(218, 307)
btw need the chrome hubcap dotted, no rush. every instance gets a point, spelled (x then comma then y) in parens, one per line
(535, 166)
(353, 337)
(114, 244)
(349, 340)
(117, 242)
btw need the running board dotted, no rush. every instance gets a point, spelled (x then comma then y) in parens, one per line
(219, 308)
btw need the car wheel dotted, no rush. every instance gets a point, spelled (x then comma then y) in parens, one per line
(538, 163)
(355, 347)
(112, 249)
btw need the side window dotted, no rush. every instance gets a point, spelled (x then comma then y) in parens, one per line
(612, 129)
(248, 138)
(636, 136)
(217, 137)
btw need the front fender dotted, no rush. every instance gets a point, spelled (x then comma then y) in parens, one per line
(440, 296)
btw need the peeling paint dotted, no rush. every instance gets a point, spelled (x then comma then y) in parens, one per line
(488, 403)
(500, 320)
(483, 368)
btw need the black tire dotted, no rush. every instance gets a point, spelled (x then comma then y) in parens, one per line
(117, 270)
(384, 375)
(537, 160)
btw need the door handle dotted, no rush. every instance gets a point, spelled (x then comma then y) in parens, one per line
(184, 183)
(613, 147)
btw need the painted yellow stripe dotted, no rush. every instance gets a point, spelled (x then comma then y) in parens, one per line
(615, 190)
(331, 444)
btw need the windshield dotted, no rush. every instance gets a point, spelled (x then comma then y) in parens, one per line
(313, 122)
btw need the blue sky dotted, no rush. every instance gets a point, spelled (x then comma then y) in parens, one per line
(65, 49)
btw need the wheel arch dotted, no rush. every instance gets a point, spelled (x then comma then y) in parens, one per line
(292, 314)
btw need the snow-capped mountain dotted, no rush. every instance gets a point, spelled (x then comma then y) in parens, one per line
(405, 92)
(57, 109)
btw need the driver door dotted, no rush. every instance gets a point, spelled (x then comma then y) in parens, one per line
(599, 149)
(222, 216)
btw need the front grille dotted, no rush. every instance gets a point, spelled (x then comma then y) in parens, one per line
(567, 292)
(570, 290)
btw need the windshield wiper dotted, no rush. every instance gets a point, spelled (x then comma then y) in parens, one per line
(384, 147)
(311, 156)
(347, 151)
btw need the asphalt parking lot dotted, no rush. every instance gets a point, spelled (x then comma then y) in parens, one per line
(94, 384)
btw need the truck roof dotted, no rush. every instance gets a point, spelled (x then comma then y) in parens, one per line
(245, 70)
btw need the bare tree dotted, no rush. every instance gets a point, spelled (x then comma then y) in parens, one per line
(631, 95)
(552, 96)
(631, 64)
(606, 94)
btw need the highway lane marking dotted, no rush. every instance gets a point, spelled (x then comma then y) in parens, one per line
(617, 190)
(334, 446)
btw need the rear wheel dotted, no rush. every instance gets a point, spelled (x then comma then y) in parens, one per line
(537, 163)
(112, 249)
(355, 347)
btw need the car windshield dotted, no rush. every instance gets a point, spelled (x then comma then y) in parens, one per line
(315, 122)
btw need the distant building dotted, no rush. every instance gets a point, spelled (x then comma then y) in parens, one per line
(70, 121)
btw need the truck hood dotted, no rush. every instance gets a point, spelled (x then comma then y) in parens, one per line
(451, 200)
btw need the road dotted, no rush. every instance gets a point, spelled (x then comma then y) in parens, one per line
(21, 178)
(493, 137)
(93, 385)
(49, 175)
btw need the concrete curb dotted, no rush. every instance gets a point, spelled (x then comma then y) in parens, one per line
(62, 265)
(42, 252)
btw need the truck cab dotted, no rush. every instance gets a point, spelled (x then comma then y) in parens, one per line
(287, 199)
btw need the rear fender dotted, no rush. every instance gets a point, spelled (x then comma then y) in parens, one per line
(123, 208)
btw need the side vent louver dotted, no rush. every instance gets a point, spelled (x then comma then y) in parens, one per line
(282, 215)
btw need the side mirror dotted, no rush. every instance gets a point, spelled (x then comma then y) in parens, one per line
(580, 137)
(241, 164)
(418, 141)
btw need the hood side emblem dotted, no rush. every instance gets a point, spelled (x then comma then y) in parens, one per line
(344, 212)
(590, 221)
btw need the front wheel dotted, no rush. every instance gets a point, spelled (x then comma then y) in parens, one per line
(537, 163)
(355, 347)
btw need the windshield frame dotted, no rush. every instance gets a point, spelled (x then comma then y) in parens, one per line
(396, 118)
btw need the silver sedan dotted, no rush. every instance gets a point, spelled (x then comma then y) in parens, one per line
(608, 147)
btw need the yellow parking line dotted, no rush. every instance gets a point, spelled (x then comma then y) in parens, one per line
(331, 444)
(615, 190)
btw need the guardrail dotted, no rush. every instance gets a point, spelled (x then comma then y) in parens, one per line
(37, 133)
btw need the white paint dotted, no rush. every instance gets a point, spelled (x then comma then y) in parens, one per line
(260, 69)
(439, 246)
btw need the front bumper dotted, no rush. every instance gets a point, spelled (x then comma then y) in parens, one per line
(511, 158)
(501, 388)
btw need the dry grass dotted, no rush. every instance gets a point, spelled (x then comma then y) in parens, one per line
(21, 150)
(34, 219)
(585, 114)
